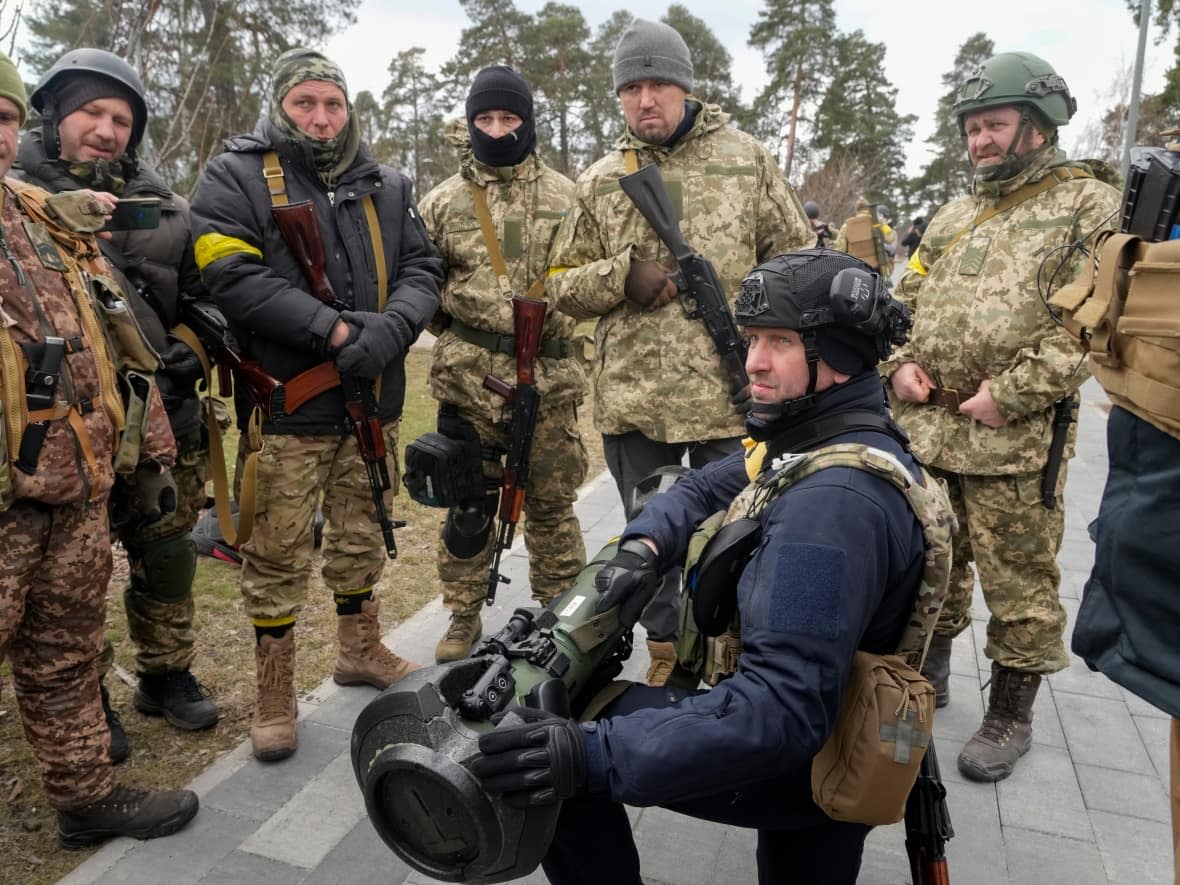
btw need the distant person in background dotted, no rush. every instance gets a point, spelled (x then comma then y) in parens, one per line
(913, 236)
(823, 233)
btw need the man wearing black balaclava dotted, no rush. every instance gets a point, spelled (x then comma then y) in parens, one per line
(525, 200)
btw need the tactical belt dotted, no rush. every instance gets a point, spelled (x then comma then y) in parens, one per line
(553, 348)
(949, 398)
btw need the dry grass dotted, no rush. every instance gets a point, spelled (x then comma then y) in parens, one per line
(164, 757)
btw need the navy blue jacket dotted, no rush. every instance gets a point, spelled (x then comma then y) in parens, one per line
(837, 570)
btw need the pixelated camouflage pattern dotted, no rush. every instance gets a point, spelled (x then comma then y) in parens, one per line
(978, 315)
(1013, 541)
(658, 372)
(532, 203)
(299, 64)
(552, 533)
(53, 580)
(929, 501)
(293, 473)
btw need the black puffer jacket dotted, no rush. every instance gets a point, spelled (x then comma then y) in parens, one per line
(158, 264)
(260, 287)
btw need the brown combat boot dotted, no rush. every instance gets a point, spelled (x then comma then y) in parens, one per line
(663, 660)
(460, 637)
(272, 732)
(1006, 732)
(937, 668)
(361, 658)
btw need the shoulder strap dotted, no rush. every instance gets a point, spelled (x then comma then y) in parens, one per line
(272, 171)
(480, 197)
(630, 160)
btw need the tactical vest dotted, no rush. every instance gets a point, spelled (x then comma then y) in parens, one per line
(864, 240)
(126, 362)
(714, 658)
(1124, 307)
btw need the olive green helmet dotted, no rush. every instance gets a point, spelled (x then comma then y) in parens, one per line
(1016, 78)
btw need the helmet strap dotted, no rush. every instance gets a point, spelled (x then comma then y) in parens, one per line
(50, 138)
(1013, 163)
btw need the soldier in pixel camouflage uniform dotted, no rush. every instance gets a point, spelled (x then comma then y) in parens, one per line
(659, 390)
(56, 473)
(976, 386)
(526, 200)
(93, 116)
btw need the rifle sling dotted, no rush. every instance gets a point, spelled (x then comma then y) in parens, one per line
(488, 228)
(553, 348)
(631, 160)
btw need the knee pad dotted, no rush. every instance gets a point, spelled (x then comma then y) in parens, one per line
(168, 568)
(469, 524)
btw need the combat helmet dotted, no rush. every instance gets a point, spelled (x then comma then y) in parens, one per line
(840, 307)
(811, 207)
(1016, 78)
(88, 61)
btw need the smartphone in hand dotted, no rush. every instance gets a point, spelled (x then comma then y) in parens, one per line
(135, 213)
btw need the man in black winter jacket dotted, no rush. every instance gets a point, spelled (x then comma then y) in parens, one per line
(384, 276)
(93, 116)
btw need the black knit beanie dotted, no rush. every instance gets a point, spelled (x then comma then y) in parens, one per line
(499, 88)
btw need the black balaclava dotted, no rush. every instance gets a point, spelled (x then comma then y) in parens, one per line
(499, 88)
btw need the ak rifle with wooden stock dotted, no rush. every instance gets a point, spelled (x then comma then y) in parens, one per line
(297, 225)
(213, 332)
(700, 290)
(528, 318)
(928, 824)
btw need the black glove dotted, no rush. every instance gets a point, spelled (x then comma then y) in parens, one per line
(628, 581)
(741, 400)
(536, 762)
(155, 491)
(374, 347)
(181, 363)
(648, 285)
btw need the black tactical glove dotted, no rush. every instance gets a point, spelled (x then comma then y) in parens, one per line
(181, 363)
(536, 762)
(155, 491)
(376, 344)
(628, 581)
(648, 285)
(741, 401)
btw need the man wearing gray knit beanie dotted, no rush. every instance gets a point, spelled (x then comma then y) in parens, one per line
(659, 390)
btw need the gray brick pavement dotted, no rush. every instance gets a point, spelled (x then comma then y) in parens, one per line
(1086, 807)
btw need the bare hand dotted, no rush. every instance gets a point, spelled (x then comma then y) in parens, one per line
(982, 408)
(648, 285)
(911, 384)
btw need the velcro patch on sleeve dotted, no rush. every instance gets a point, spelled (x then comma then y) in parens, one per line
(805, 595)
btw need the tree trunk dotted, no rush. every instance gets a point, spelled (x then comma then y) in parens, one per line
(796, 100)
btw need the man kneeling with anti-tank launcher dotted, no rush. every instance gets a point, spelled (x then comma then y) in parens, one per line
(822, 572)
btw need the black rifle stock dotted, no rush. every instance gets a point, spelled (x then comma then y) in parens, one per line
(928, 824)
(528, 315)
(300, 231)
(695, 276)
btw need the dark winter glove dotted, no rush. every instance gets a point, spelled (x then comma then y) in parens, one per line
(181, 363)
(536, 762)
(155, 491)
(741, 400)
(628, 581)
(374, 347)
(648, 285)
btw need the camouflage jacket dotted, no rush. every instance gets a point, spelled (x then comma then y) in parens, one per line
(657, 372)
(526, 205)
(75, 465)
(978, 315)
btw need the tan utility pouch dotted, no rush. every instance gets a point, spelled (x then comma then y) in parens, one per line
(865, 771)
(129, 344)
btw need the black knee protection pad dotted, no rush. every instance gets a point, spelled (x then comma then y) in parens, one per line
(469, 524)
(169, 565)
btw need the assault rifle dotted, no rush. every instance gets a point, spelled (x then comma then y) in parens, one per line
(928, 824)
(297, 226)
(1063, 416)
(213, 332)
(700, 290)
(528, 317)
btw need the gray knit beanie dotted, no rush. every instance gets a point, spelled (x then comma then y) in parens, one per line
(652, 51)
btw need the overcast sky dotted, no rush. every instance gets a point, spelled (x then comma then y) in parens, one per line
(1088, 42)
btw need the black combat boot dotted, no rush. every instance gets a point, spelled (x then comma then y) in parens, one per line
(1006, 732)
(120, 743)
(178, 697)
(938, 668)
(140, 814)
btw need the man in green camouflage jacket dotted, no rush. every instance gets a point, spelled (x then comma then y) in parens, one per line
(659, 389)
(976, 386)
(525, 200)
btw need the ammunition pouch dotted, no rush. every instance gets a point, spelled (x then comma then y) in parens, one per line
(137, 392)
(169, 566)
(76, 211)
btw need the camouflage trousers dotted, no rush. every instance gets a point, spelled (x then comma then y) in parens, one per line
(1013, 539)
(552, 533)
(53, 584)
(293, 473)
(160, 619)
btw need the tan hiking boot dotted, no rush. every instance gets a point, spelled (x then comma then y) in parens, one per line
(272, 731)
(937, 668)
(361, 658)
(663, 660)
(460, 636)
(1006, 732)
